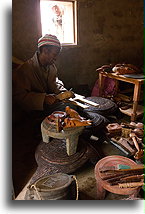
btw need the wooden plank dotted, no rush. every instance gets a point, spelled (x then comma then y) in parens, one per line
(123, 78)
(140, 111)
(81, 99)
(79, 96)
(21, 195)
(77, 103)
(88, 102)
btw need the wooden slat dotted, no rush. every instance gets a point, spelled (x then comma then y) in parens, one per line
(122, 78)
(129, 112)
(77, 103)
(82, 99)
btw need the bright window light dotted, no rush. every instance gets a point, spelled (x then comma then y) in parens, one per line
(59, 18)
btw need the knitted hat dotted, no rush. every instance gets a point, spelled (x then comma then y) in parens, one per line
(49, 39)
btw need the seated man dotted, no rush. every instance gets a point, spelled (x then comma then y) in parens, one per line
(35, 83)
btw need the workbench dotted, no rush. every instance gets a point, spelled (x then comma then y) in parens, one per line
(136, 110)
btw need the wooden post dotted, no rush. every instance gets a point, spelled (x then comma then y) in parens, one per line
(137, 88)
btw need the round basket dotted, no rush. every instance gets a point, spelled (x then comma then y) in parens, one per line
(99, 123)
(113, 161)
(52, 158)
(106, 107)
(57, 186)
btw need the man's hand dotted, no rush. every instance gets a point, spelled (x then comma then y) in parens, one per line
(49, 99)
(65, 95)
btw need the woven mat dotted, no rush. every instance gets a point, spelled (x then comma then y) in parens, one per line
(52, 158)
(105, 107)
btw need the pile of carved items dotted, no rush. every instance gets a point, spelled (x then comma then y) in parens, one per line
(68, 119)
(121, 68)
(130, 177)
(129, 136)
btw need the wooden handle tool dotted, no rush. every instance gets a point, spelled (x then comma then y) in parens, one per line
(131, 185)
(140, 152)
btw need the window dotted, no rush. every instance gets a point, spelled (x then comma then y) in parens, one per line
(59, 18)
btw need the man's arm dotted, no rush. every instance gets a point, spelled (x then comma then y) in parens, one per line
(56, 85)
(23, 94)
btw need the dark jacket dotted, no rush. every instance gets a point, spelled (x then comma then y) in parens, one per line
(31, 82)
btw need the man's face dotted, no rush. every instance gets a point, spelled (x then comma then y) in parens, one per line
(50, 55)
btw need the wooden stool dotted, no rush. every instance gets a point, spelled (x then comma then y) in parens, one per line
(103, 185)
(71, 135)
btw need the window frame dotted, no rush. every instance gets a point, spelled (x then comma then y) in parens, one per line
(75, 22)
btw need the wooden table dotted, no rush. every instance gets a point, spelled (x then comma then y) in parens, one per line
(137, 110)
